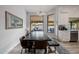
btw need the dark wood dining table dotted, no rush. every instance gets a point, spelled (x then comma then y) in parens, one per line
(37, 36)
(40, 36)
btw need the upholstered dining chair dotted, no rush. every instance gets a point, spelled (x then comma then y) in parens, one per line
(25, 44)
(40, 45)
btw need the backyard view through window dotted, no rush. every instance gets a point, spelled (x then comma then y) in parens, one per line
(37, 23)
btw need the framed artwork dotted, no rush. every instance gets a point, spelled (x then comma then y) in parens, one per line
(62, 27)
(12, 21)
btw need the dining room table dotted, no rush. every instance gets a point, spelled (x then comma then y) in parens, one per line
(36, 36)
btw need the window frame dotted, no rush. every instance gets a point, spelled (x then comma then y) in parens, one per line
(31, 20)
(47, 23)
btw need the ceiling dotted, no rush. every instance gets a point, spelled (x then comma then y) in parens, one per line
(33, 8)
(38, 8)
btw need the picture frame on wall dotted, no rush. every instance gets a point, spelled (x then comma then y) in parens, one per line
(62, 27)
(12, 21)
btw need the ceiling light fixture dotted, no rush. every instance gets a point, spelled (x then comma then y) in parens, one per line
(40, 13)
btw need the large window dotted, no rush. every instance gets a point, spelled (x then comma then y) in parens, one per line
(50, 21)
(37, 23)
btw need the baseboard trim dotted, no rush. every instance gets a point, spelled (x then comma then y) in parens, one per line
(11, 48)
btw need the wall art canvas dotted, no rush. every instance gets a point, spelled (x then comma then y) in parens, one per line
(12, 21)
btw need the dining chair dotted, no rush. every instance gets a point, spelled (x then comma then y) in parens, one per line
(40, 45)
(25, 44)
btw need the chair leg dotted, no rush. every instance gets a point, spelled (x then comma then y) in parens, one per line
(21, 50)
(34, 51)
(55, 49)
(45, 51)
(29, 49)
(25, 50)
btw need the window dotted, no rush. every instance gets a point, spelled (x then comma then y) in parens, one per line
(37, 23)
(50, 23)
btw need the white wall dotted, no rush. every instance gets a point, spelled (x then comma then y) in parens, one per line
(10, 37)
(64, 12)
